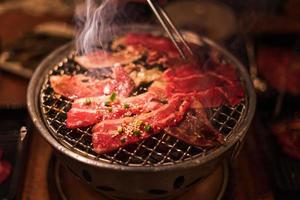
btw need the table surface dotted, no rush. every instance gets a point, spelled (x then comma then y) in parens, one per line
(249, 173)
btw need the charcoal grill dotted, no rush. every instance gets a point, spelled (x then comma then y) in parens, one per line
(160, 166)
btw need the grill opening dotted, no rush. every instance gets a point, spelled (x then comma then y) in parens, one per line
(159, 149)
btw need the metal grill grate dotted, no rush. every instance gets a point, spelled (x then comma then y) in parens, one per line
(159, 149)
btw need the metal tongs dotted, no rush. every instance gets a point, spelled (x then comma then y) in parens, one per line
(170, 28)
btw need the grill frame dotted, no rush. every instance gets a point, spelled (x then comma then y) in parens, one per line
(58, 55)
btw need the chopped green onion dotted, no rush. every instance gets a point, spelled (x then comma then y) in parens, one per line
(107, 103)
(126, 106)
(136, 133)
(147, 128)
(120, 129)
(113, 96)
(138, 123)
(123, 140)
(109, 109)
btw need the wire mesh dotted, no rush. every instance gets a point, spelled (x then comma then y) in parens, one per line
(159, 149)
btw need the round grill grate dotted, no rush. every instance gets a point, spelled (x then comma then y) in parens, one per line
(160, 149)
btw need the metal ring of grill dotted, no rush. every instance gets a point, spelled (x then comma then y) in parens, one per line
(158, 150)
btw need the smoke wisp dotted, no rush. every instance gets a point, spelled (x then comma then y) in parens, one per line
(98, 23)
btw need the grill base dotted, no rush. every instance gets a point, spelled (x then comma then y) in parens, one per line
(63, 183)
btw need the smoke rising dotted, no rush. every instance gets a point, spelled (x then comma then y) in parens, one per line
(98, 23)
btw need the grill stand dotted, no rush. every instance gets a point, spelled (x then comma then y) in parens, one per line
(63, 184)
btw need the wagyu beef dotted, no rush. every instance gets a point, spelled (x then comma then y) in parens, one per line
(5, 168)
(211, 86)
(196, 129)
(91, 110)
(100, 58)
(287, 133)
(112, 134)
(157, 43)
(78, 86)
(280, 67)
(142, 87)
